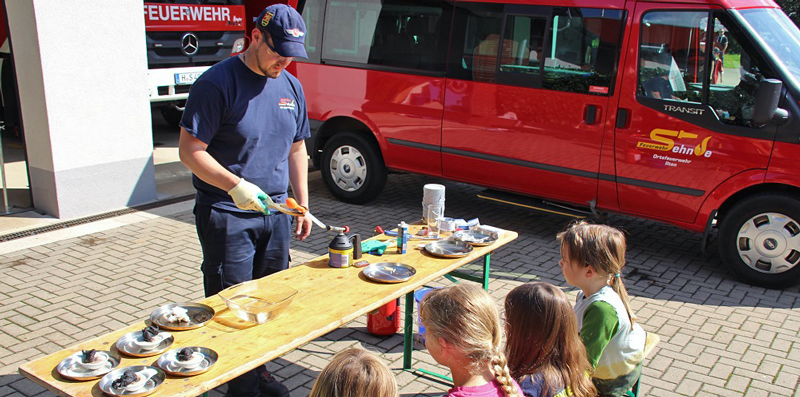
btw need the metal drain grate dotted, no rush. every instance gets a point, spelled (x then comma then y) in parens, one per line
(93, 218)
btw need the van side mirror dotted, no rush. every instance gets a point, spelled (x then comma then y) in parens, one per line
(766, 108)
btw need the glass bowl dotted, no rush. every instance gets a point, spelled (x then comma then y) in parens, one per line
(257, 301)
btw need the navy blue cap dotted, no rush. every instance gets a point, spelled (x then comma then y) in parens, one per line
(287, 29)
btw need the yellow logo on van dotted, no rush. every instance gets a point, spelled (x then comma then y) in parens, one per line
(671, 141)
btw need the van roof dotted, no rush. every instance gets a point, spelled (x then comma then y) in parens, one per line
(619, 4)
(737, 4)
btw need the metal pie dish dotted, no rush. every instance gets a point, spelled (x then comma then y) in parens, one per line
(153, 378)
(198, 313)
(72, 367)
(389, 272)
(205, 359)
(133, 344)
(475, 238)
(448, 248)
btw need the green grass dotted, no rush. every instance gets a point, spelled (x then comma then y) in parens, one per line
(732, 61)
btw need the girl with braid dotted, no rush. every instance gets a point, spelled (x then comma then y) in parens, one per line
(464, 333)
(592, 258)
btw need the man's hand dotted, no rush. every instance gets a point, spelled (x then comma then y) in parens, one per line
(303, 227)
(248, 196)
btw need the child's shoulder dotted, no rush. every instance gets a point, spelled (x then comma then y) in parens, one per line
(491, 389)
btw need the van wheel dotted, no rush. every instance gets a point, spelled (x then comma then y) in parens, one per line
(760, 239)
(352, 168)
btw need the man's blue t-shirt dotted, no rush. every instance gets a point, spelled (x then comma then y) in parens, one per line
(249, 123)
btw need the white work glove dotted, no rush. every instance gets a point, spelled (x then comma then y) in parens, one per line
(248, 196)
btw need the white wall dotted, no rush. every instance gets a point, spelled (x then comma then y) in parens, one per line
(82, 74)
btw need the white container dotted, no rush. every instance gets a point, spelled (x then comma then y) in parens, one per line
(432, 194)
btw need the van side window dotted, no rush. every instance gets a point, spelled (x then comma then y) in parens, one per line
(476, 41)
(522, 55)
(312, 16)
(393, 33)
(557, 48)
(681, 53)
(582, 52)
(735, 75)
(672, 55)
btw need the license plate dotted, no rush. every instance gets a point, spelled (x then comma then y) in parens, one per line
(186, 78)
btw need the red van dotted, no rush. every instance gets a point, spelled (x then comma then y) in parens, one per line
(684, 112)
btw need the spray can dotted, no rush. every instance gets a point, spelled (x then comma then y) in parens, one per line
(402, 238)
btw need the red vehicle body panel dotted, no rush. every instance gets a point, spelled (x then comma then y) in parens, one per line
(394, 106)
(783, 166)
(490, 119)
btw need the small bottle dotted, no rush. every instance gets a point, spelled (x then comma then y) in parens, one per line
(402, 238)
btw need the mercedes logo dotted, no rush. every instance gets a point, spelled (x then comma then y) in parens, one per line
(189, 44)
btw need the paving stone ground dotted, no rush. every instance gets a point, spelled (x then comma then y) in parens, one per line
(719, 337)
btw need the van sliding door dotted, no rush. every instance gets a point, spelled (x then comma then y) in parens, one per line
(526, 97)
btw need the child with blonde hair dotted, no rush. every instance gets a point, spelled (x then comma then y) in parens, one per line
(355, 372)
(545, 353)
(464, 333)
(592, 258)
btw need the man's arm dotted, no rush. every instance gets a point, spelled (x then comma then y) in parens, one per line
(298, 177)
(193, 155)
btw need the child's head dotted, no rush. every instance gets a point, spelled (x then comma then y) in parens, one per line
(466, 319)
(542, 336)
(355, 372)
(601, 249)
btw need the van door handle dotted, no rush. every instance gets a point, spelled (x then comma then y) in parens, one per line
(590, 114)
(622, 118)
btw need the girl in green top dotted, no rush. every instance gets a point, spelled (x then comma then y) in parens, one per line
(592, 257)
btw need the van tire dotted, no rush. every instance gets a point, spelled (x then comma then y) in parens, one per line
(759, 239)
(352, 168)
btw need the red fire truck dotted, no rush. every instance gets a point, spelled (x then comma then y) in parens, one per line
(183, 40)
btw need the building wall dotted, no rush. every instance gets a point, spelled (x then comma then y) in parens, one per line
(82, 76)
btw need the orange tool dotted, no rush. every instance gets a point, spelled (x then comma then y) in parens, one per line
(292, 203)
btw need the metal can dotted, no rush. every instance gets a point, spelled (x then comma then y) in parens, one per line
(402, 238)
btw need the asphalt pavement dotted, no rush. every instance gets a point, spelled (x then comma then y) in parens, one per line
(719, 337)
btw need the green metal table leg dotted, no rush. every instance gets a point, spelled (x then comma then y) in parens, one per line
(438, 375)
(486, 260)
(408, 331)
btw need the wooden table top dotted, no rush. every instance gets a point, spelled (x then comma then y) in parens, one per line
(327, 298)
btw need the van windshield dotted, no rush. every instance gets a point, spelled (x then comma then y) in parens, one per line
(779, 34)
